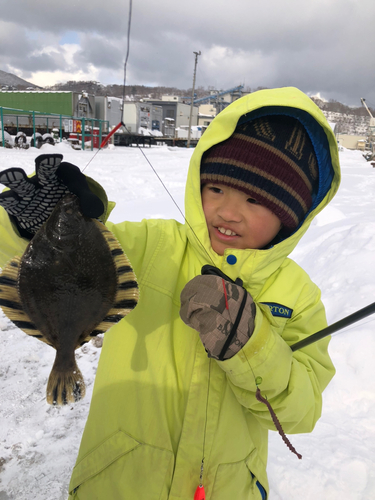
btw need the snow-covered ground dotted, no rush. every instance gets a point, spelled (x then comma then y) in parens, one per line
(39, 443)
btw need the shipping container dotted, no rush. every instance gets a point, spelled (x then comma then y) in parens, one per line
(176, 114)
(138, 115)
(65, 103)
(109, 109)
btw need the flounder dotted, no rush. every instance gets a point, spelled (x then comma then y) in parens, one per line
(72, 283)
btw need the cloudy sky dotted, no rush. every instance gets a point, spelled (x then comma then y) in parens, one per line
(320, 46)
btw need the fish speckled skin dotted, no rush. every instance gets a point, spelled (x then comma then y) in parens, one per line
(73, 282)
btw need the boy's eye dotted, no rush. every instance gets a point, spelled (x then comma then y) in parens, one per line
(251, 200)
(215, 189)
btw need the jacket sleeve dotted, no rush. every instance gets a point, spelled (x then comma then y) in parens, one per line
(292, 382)
(134, 238)
(11, 243)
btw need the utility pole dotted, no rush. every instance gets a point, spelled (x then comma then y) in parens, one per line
(371, 132)
(192, 96)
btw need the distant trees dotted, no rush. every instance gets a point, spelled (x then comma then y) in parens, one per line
(137, 91)
(141, 91)
(337, 107)
(91, 86)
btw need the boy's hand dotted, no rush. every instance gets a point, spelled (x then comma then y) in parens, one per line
(31, 201)
(211, 305)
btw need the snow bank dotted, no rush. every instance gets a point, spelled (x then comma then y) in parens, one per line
(39, 444)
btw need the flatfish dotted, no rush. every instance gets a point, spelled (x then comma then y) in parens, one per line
(72, 283)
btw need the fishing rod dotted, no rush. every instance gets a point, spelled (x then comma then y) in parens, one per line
(106, 139)
(121, 123)
(339, 325)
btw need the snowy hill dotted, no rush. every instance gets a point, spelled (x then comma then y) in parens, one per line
(10, 80)
(39, 443)
(349, 123)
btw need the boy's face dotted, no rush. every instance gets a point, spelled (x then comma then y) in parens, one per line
(235, 220)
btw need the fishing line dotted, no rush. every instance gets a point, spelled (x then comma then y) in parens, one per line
(205, 427)
(180, 211)
(144, 155)
(93, 157)
(356, 326)
(192, 230)
(124, 84)
(176, 204)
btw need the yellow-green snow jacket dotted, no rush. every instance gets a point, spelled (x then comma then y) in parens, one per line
(159, 403)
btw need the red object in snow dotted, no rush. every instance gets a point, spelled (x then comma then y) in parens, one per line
(106, 139)
(199, 493)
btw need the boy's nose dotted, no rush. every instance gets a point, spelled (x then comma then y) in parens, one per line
(230, 212)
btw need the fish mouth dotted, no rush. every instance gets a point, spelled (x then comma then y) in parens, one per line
(65, 222)
(69, 203)
(68, 206)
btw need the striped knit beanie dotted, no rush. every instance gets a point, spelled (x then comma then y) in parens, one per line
(272, 160)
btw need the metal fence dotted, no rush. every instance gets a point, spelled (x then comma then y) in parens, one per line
(80, 130)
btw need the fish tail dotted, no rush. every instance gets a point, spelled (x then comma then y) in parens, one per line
(65, 386)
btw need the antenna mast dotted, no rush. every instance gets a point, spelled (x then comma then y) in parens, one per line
(192, 96)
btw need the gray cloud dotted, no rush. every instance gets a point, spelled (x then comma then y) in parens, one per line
(321, 46)
(100, 52)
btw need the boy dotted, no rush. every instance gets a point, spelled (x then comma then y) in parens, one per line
(170, 393)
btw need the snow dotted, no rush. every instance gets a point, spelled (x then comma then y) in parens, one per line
(318, 96)
(147, 131)
(39, 443)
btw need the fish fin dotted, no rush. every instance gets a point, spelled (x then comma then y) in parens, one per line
(65, 387)
(127, 294)
(10, 301)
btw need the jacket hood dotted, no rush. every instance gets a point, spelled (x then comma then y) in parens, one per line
(285, 101)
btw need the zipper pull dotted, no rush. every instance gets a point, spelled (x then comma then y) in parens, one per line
(199, 493)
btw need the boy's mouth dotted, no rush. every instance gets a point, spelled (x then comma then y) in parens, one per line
(227, 232)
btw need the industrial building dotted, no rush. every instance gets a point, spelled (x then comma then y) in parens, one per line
(175, 113)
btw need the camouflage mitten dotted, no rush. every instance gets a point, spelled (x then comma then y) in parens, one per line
(222, 313)
(31, 200)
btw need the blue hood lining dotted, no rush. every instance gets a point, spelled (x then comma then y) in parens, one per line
(319, 141)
